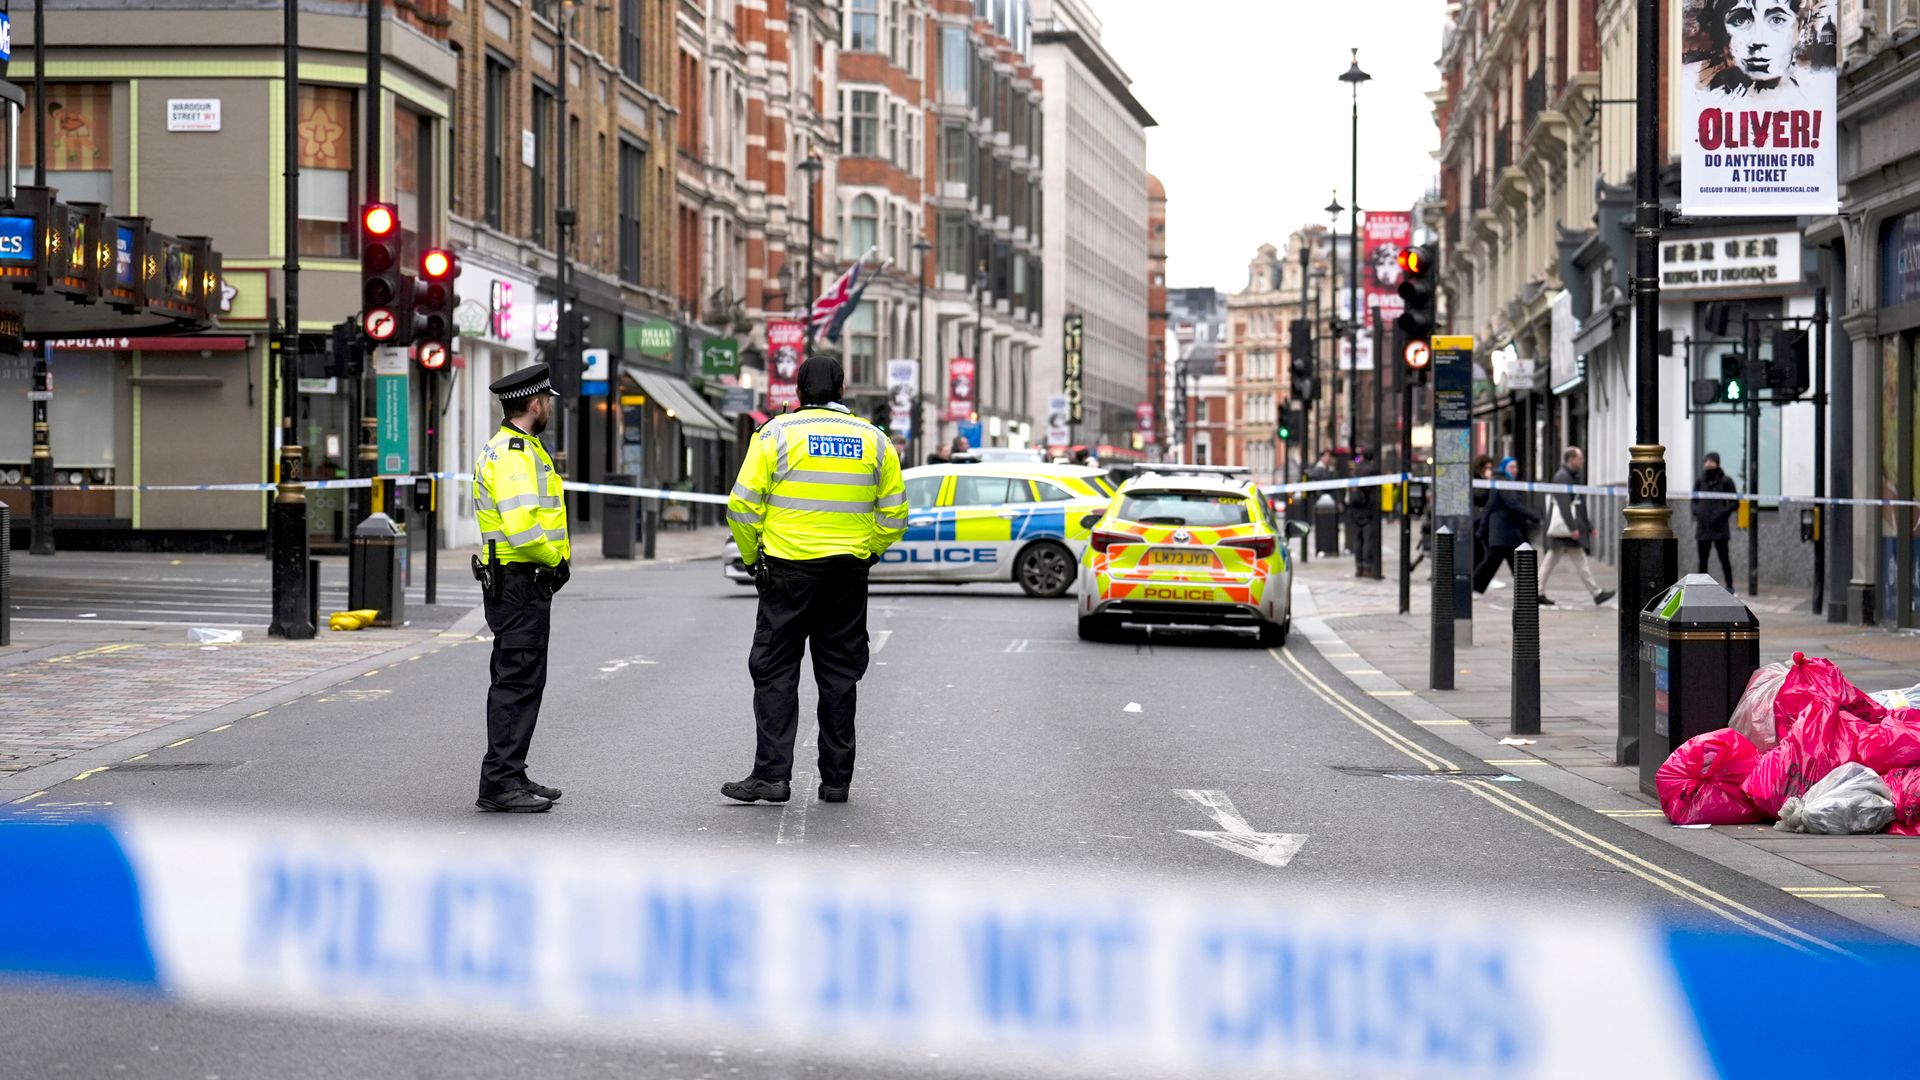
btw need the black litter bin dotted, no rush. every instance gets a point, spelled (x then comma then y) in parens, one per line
(1326, 525)
(378, 580)
(617, 532)
(1698, 647)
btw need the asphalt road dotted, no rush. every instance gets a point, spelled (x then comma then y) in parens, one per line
(989, 734)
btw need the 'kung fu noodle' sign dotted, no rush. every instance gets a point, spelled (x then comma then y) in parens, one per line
(1758, 125)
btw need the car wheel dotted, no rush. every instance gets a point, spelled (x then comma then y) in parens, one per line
(1096, 628)
(1045, 570)
(1274, 635)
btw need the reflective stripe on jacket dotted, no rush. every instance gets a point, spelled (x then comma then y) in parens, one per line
(517, 500)
(817, 483)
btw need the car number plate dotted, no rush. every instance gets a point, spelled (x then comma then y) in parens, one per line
(1179, 558)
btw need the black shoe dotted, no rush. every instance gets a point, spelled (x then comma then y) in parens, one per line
(832, 794)
(1546, 601)
(1602, 597)
(752, 790)
(551, 794)
(517, 801)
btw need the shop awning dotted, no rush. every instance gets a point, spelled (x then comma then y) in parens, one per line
(683, 402)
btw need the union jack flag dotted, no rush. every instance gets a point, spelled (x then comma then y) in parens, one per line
(825, 312)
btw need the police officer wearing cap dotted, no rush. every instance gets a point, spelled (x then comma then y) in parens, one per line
(818, 499)
(523, 530)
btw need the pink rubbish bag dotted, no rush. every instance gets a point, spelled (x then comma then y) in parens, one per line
(1814, 684)
(1753, 717)
(1818, 744)
(1893, 743)
(1700, 783)
(1905, 785)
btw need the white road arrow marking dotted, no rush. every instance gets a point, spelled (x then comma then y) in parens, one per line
(1273, 849)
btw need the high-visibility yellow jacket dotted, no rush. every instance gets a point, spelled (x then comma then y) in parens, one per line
(817, 483)
(517, 499)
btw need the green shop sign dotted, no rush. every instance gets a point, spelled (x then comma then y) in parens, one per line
(720, 356)
(654, 337)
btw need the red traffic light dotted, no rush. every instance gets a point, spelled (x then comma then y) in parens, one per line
(379, 219)
(436, 264)
(1412, 261)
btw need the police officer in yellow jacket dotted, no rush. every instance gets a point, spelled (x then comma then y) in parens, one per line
(523, 530)
(818, 499)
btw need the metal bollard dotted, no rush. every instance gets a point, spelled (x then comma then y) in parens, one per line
(6, 574)
(313, 591)
(1525, 699)
(1440, 650)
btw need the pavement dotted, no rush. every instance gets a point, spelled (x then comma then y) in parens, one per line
(1579, 708)
(990, 736)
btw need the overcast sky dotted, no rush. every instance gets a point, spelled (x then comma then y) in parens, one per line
(1253, 120)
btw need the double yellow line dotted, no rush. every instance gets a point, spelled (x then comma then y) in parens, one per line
(1685, 888)
(1432, 761)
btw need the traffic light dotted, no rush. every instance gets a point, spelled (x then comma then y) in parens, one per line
(1789, 373)
(883, 414)
(382, 295)
(1733, 378)
(1417, 268)
(433, 299)
(1293, 424)
(1300, 357)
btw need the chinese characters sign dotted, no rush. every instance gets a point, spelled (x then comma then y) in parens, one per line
(1730, 262)
(1073, 332)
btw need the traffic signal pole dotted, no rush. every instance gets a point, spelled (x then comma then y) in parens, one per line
(287, 520)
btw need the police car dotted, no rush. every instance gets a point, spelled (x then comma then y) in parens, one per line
(1188, 547)
(989, 521)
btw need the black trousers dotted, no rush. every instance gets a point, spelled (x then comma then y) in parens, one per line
(1366, 543)
(520, 618)
(818, 604)
(1726, 566)
(1489, 565)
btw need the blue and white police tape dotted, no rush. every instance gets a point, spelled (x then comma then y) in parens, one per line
(662, 494)
(856, 959)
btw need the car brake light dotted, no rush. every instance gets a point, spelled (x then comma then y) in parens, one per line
(1260, 546)
(1102, 539)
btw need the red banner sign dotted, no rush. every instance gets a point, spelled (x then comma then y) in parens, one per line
(960, 388)
(785, 339)
(1383, 235)
(1143, 413)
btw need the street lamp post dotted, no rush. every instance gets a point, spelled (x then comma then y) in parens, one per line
(979, 331)
(1649, 557)
(922, 248)
(1307, 405)
(812, 167)
(1334, 324)
(1353, 78)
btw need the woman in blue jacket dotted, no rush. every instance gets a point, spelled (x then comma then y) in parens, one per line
(1509, 519)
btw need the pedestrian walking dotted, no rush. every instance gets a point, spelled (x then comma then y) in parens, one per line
(818, 498)
(1570, 529)
(1363, 505)
(1508, 520)
(1711, 532)
(523, 523)
(1322, 469)
(1482, 470)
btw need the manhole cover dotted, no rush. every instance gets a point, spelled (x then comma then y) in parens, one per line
(173, 766)
(1412, 772)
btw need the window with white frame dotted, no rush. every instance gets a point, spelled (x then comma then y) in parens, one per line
(892, 135)
(863, 123)
(891, 235)
(862, 225)
(863, 26)
(862, 345)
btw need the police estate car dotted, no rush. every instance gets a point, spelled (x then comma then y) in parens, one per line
(1000, 521)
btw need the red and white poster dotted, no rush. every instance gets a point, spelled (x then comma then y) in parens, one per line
(1758, 124)
(1143, 416)
(785, 339)
(1383, 235)
(960, 388)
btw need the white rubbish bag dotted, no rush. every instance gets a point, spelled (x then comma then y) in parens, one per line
(1850, 799)
(1904, 698)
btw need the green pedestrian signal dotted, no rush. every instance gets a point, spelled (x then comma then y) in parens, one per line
(1734, 391)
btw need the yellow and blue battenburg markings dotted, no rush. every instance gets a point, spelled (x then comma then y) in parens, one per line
(871, 959)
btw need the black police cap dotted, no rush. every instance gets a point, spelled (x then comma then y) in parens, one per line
(526, 382)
